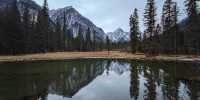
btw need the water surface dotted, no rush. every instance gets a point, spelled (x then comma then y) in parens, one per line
(99, 79)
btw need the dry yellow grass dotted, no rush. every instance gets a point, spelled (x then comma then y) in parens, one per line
(100, 54)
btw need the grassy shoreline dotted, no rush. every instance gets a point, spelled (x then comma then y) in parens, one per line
(99, 54)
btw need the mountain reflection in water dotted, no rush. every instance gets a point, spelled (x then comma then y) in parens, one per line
(98, 79)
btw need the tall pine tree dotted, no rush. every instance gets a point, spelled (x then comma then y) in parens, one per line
(88, 40)
(192, 8)
(79, 40)
(167, 15)
(43, 29)
(150, 22)
(58, 35)
(149, 17)
(27, 29)
(177, 34)
(94, 40)
(134, 30)
(192, 42)
(157, 37)
(108, 44)
(169, 25)
(13, 27)
(65, 37)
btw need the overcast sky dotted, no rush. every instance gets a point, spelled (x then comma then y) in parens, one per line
(110, 14)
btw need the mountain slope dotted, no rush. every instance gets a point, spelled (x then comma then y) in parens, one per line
(76, 20)
(119, 35)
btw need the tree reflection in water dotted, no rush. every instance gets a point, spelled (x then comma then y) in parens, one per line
(149, 80)
(165, 81)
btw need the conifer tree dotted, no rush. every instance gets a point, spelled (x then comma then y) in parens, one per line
(79, 39)
(175, 14)
(176, 35)
(58, 35)
(108, 44)
(134, 25)
(157, 37)
(157, 32)
(4, 39)
(43, 28)
(192, 42)
(15, 34)
(149, 17)
(69, 40)
(64, 35)
(88, 39)
(149, 21)
(27, 29)
(170, 27)
(167, 15)
(33, 33)
(94, 41)
(144, 42)
(192, 8)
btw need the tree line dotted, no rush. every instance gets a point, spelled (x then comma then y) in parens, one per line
(169, 36)
(23, 31)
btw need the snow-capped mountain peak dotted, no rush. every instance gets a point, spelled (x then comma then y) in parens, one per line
(119, 35)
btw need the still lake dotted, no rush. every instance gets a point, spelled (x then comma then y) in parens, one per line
(99, 79)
